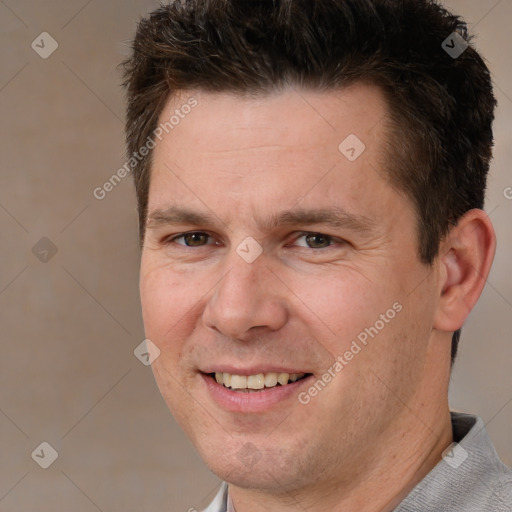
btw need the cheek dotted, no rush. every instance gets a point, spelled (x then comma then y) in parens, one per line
(370, 319)
(167, 300)
(342, 304)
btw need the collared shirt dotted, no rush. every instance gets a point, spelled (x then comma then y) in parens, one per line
(469, 478)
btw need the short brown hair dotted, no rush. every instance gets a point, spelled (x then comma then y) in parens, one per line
(441, 106)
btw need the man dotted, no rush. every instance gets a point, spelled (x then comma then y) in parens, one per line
(310, 179)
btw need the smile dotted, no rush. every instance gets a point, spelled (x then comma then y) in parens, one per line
(257, 382)
(255, 393)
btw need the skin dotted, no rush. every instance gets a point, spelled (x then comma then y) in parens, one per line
(383, 421)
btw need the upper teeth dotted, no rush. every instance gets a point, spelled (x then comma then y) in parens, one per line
(258, 381)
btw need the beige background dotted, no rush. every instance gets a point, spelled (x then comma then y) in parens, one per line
(69, 326)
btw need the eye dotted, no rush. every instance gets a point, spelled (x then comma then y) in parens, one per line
(314, 240)
(192, 239)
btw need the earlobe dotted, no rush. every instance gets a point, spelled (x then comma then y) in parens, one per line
(465, 257)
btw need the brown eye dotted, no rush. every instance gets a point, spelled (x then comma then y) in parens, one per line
(315, 240)
(318, 241)
(195, 239)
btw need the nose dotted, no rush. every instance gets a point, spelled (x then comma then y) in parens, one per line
(248, 298)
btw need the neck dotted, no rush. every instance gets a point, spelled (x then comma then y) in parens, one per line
(416, 446)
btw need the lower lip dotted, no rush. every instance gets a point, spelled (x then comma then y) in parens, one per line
(259, 401)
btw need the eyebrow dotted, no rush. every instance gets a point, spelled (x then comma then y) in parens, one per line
(176, 215)
(333, 217)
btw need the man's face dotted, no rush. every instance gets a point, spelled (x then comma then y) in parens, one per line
(338, 281)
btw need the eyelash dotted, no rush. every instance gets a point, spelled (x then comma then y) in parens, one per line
(300, 235)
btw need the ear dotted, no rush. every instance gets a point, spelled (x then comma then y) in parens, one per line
(465, 258)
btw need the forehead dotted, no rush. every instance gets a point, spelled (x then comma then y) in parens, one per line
(292, 117)
(286, 147)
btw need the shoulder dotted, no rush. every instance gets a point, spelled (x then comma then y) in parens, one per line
(470, 476)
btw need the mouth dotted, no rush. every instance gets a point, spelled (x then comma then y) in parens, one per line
(256, 391)
(256, 383)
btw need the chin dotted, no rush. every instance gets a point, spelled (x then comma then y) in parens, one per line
(246, 466)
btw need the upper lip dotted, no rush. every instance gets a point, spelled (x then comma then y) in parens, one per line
(252, 370)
